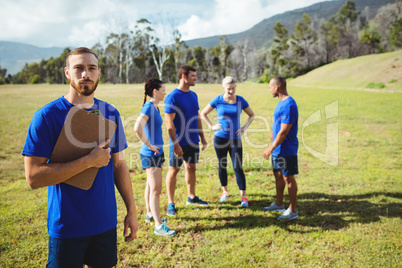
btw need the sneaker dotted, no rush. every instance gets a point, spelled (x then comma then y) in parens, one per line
(150, 219)
(223, 196)
(275, 207)
(164, 230)
(288, 214)
(196, 200)
(244, 202)
(171, 210)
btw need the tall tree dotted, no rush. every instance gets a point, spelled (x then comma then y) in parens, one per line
(347, 13)
(346, 18)
(116, 50)
(330, 38)
(160, 49)
(199, 61)
(179, 46)
(304, 39)
(224, 53)
(372, 39)
(384, 22)
(396, 33)
(143, 33)
(279, 51)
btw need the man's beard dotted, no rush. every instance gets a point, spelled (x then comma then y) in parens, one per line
(84, 90)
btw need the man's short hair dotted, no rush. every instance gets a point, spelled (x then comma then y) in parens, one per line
(185, 70)
(79, 51)
(279, 81)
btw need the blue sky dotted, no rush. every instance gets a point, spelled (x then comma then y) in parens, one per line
(47, 23)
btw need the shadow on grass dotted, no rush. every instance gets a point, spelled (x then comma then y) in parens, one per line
(317, 211)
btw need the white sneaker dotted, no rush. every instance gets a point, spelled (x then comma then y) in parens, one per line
(275, 207)
(150, 219)
(164, 230)
(288, 214)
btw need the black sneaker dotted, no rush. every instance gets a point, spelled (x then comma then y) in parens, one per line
(196, 201)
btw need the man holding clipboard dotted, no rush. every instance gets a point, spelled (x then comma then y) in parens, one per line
(81, 220)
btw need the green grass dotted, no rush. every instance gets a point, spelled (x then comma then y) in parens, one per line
(356, 73)
(375, 85)
(350, 214)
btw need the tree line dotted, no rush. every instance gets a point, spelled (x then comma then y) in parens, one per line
(136, 55)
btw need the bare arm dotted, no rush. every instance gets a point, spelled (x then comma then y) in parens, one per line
(201, 133)
(139, 130)
(283, 132)
(39, 173)
(204, 116)
(169, 117)
(123, 185)
(251, 116)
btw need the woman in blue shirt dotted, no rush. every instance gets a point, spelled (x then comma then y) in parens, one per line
(228, 133)
(149, 129)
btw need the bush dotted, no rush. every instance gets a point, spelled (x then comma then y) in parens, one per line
(374, 85)
(264, 78)
(380, 85)
(2, 81)
(36, 79)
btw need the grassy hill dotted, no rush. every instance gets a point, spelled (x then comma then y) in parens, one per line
(360, 73)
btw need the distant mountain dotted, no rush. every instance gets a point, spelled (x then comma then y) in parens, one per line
(13, 55)
(261, 35)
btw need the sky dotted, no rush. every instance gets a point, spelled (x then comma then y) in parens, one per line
(56, 23)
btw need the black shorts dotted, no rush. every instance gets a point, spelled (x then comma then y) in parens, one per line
(152, 161)
(191, 153)
(287, 164)
(96, 251)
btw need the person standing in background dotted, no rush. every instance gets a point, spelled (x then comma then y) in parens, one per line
(284, 149)
(185, 131)
(149, 129)
(227, 135)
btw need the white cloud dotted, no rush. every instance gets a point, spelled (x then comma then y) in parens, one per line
(60, 23)
(48, 23)
(233, 16)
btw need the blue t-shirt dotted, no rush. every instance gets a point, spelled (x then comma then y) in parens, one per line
(73, 212)
(228, 116)
(152, 129)
(185, 106)
(286, 113)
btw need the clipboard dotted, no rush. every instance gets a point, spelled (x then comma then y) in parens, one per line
(81, 133)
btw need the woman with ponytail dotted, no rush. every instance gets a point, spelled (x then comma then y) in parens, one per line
(148, 128)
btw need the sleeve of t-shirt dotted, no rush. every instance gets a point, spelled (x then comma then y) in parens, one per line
(244, 103)
(288, 115)
(119, 142)
(214, 102)
(198, 105)
(170, 104)
(146, 109)
(38, 141)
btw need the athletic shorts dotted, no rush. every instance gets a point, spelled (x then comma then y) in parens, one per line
(191, 153)
(286, 164)
(152, 161)
(96, 251)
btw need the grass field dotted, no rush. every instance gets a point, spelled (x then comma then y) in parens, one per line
(350, 207)
(365, 72)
